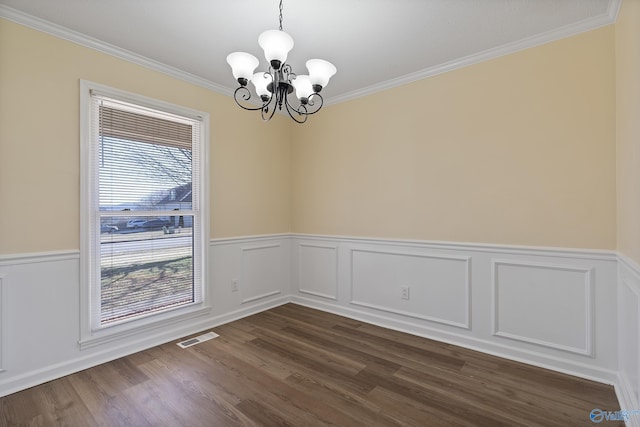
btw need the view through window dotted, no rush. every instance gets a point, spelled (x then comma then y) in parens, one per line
(146, 213)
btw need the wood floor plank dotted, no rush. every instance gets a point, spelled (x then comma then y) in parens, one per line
(435, 398)
(404, 350)
(351, 352)
(187, 397)
(260, 387)
(356, 404)
(408, 412)
(262, 414)
(344, 379)
(570, 395)
(272, 366)
(296, 366)
(313, 317)
(327, 357)
(474, 395)
(63, 402)
(105, 405)
(380, 350)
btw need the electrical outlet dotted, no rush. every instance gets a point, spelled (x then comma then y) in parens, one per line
(404, 292)
(234, 285)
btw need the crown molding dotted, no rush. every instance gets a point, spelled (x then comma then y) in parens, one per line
(496, 52)
(59, 31)
(506, 49)
(613, 9)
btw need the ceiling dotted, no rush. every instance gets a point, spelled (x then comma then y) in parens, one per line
(375, 44)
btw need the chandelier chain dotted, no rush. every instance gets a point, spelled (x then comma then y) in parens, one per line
(280, 15)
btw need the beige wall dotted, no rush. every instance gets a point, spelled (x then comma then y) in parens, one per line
(39, 144)
(516, 150)
(628, 127)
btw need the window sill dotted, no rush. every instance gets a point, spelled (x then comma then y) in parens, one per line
(142, 326)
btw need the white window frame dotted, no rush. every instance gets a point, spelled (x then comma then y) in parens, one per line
(92, 334)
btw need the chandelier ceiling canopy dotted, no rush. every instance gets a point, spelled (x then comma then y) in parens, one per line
(275, 86)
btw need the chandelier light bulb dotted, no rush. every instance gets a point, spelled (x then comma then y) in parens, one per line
(260, 82)
(242, 66)
(303, 88)
(276, 45)
(320, 71)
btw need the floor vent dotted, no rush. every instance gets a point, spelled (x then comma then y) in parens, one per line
(197, 340)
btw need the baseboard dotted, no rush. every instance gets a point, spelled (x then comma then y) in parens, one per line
(628, 405)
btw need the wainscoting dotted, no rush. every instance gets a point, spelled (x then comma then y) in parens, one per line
(40, 307)
(628, 383)
(548, 307)
(573, 311)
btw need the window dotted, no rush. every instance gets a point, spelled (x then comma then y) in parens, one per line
(143, 210)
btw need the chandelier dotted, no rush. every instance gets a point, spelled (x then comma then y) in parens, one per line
(275, 86)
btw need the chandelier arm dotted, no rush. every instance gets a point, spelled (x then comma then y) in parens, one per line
(310, 107)
(295, 110)
(312, 103)
(302, 109)
(266, 116)
(264, 111)
(245, 95)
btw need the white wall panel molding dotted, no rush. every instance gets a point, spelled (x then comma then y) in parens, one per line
(628, 399)
(262, 276)
(549, 305)
(438, 286)
(628, 310)
(630, 271)
(318, 270)
(3, 323)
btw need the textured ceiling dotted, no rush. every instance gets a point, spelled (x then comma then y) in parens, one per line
(375, 44)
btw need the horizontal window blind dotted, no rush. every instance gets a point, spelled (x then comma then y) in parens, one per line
(131, 126)
(146, 210)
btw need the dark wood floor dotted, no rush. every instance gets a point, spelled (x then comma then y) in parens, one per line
(295, 366)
